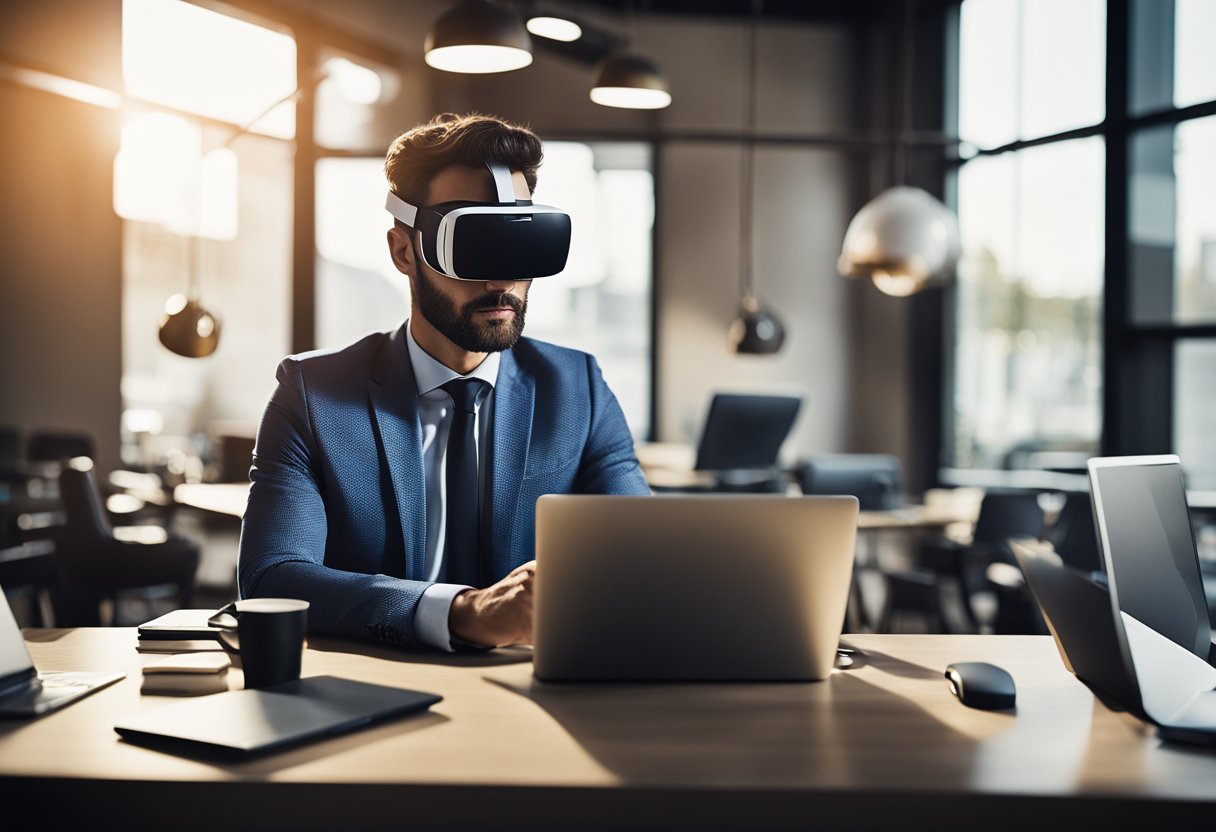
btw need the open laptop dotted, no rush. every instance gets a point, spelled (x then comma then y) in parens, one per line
(26, 692)
(745, 432)
(706, 587)
(1148, 643)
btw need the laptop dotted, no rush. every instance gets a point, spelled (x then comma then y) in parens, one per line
(244, 723)
(1147, 645)
(745, 432)
(705, 587)
(26, 692)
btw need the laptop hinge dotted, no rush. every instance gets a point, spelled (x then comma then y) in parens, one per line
(17, 681)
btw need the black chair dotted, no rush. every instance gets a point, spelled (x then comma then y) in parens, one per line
(1074, 537)
(92, 565)
(1003, 515)
(57, 446)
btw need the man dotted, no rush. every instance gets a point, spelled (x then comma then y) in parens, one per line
(395, 480)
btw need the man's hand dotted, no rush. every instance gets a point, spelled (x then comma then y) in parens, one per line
(498, 615)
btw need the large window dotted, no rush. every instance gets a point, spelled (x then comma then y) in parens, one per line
(1086, 306)
(1027, 348)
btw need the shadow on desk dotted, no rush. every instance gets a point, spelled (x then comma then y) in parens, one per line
(833, 734)
(490, 658)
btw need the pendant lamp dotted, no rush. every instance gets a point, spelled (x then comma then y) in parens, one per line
(904, 239)
(186, 326)
(478, 36)
(756, 331)
(632, 81)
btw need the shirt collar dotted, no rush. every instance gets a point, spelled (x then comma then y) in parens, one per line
(429, 373)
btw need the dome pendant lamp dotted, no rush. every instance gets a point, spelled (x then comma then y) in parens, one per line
(632, 81)
(904, 239)
(756, 331)
(478, 36)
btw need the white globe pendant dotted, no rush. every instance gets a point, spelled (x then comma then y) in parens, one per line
(904, 240)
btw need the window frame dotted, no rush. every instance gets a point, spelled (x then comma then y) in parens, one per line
(1138, 395)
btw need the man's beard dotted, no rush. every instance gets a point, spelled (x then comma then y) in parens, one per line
(460, 325)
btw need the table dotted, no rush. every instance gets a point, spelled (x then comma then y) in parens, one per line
(883, 745)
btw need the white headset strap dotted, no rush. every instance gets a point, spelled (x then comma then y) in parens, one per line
(502, 183)
(401, 209)
(505, 188)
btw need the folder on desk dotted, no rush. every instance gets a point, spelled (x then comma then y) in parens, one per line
(248, 722)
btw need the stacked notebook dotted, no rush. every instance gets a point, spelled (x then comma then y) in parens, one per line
(180, 631)
(189, 674)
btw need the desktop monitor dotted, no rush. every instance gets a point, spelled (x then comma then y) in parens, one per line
(745, 432)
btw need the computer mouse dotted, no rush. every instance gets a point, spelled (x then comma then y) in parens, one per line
(982, 685)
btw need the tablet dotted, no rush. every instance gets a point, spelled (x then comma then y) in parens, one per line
(248, 722)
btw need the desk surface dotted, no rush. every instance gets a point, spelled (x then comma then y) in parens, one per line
(881, 744)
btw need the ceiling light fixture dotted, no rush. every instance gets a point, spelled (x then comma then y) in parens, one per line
(756, 331)
(478, 37)
(555, 28)
(904, 240)
(630, 81)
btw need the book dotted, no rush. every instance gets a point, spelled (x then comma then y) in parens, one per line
(189, 674)
(179, 624)
(177, 645)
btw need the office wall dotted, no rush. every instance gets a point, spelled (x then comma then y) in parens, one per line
(803, 196)
(60, 241)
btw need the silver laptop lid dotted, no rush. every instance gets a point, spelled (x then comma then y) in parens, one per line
(15, 661)
(706, 587)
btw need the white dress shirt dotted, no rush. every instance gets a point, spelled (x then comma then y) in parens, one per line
(435, 411)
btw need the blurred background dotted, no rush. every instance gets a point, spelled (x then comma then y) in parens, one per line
(931, 252)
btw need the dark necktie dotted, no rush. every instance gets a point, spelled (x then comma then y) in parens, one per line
(463, 529)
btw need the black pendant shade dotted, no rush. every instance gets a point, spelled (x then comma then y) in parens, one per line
(478, 36)
(756, 331)
(189, 330)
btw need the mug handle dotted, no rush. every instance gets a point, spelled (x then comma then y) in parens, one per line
(226, 620)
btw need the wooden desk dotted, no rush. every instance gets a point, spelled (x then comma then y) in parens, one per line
(881, 746)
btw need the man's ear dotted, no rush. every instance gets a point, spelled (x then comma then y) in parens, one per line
(401, 249)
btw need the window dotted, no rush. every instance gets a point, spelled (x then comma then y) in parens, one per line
(1027, 344)
(1035, 299)
(199, 200)
(600, 303)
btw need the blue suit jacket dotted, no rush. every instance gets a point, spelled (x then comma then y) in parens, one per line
(337, 510)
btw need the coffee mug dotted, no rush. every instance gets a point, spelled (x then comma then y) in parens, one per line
(269, 637)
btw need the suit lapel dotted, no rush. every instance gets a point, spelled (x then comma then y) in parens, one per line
(394, 398)
(514, 399)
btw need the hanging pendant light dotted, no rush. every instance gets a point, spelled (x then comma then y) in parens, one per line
(186, 326)
(904, 240)
(632, 81)
(756, 331)
(478, 36)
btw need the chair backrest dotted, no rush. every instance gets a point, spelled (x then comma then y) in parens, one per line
(1006, 514)
(56, 446)
(86, 516)
(1074, 537)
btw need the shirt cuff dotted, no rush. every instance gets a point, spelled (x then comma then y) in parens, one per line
(431, 615)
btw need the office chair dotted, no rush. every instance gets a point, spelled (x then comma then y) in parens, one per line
(876, 480)
(92, 565)
(46, 446)
(1003, 515)
(1074, 537)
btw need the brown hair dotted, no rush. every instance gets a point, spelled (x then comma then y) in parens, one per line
(417, 155)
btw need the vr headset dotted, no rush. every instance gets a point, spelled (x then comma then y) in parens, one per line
(510, 239)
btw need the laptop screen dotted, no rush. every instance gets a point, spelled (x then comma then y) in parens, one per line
(1151, 550)
(14, 658)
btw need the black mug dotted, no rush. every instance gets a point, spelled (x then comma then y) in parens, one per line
(269, 637)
